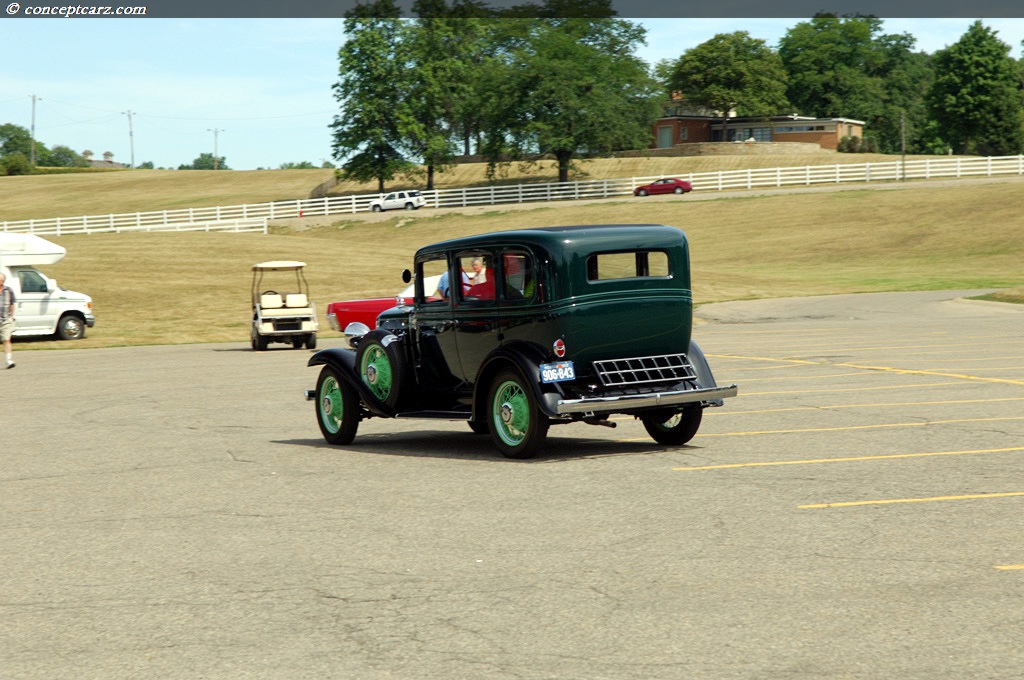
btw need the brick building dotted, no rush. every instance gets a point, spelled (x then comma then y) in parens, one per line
(683, 124)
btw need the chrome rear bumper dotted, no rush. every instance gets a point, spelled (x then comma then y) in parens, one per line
(633, 401)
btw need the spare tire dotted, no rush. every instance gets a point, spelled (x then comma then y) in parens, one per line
(382, 366)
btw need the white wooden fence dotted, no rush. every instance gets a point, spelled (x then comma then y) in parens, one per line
(254, 217)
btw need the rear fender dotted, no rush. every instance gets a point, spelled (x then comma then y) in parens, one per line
(703, 370)
(527, 359)
(343, 360)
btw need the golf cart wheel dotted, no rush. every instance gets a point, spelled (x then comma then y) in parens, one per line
(337, 408)
(311, 341)
(381, 366)
(673, 428)
(259, 343)
(518, 428)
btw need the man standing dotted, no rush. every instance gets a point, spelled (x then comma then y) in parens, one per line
(6, 319)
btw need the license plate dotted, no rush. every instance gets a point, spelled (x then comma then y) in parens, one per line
(559, 372)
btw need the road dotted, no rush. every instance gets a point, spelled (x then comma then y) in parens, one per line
(172, 512)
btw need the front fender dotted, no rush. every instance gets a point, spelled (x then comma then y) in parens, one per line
(343, 360)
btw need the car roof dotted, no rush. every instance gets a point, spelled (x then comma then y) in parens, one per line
(575, 238)
(278, 265)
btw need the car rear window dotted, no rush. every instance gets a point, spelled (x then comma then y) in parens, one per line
(627, 265)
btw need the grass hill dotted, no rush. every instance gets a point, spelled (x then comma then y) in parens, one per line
(195, 287)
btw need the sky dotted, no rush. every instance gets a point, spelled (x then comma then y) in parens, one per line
(258, 91)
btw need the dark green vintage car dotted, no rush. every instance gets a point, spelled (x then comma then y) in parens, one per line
(527, 329)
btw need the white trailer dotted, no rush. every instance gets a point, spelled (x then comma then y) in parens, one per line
(42, 307)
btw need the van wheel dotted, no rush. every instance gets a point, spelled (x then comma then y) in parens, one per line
(673, 429)
(70, 327)
(381, 366)
(517, 426)
(337, 408)
(296, 343)
(311, 341)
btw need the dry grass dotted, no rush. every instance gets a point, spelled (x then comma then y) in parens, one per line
(195, 287)
(1013, 295)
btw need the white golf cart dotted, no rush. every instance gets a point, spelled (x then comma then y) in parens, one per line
(288, 317)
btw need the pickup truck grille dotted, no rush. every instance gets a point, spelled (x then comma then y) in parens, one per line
(640, 371)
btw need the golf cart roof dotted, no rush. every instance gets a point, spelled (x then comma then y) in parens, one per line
(278, 266)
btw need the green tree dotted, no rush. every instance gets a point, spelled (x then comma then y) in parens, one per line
(732, 71)
(832, 62)
(442, 50)
(976, 97)
(372, 90)
(565, 87)
(206, 161)
(61, 156)
(15, 164)
(15, 139)
(301, 165)
(846, 67)
(902, 121)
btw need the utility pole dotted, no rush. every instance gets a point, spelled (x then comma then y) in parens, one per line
(33, 152)
(214, 131)
(131, 136)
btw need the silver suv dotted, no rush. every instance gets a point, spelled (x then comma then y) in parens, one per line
(409, 200)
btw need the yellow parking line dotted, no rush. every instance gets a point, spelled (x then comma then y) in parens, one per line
(747, 381)
(859, 427)
(733, 412)
(912, 500)
(846, 460)
(854, 389)
(905, 371)
(775, 359)
(1009, 566)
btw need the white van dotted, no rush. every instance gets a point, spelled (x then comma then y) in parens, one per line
(42, 307)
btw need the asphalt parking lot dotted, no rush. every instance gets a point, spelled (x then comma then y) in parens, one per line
(172, 512)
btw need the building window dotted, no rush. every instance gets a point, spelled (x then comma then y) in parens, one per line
(684, 134)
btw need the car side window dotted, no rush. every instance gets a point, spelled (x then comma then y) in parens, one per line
(519, 278)
(476, 268)
(432, 285)
(628, 265)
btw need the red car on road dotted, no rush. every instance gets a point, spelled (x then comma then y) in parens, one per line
(669, 185)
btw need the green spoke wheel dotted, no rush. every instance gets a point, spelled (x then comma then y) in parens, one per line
(518, 428)
(673, 428)
(381, 366)
(337, 407)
